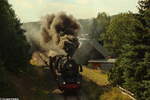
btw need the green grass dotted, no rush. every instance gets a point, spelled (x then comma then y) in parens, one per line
(97, 86)
(96, 76)
(114, 94)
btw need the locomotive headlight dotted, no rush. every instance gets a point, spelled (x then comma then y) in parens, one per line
(78, 82)
(64, 83)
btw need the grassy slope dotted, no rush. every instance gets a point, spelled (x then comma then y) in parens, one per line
(98, 88)
(114, 94)
(97, 76)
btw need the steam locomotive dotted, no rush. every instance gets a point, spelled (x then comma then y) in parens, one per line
(67, 72)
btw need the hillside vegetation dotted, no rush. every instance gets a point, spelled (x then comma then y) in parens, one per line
(128, 39)
(14, 49)
(97, 76)
(97, 86)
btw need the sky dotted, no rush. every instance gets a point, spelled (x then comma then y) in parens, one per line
(33, 10)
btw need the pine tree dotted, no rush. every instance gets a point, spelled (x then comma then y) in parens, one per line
(13, 46)
(134, 61)
(144, 12)
(121, 29)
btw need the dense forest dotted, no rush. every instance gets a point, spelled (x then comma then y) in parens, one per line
(14, 54)
(128, 39)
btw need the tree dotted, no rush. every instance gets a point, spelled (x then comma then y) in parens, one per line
(132, 69)
(99, 25)
(144, 13)
(14, 54)
(121, 29)
(14, 48)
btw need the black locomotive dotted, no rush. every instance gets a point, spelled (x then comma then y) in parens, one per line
(67, 72)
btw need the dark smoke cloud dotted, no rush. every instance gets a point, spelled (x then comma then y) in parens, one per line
(46, 25)
(59, 33)
(64, 24)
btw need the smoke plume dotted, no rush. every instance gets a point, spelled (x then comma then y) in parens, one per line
(59, 34)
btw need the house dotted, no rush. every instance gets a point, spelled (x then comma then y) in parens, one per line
(92, 52)
(89, 49)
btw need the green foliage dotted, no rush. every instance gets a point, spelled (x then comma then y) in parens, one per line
(144, 15)
(99, 25)
(144, 5)
(132, 69)
(133, 73)
(14, 48)
(121, 30)
(114, 94)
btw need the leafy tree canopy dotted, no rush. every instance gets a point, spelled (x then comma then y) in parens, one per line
(121, 30)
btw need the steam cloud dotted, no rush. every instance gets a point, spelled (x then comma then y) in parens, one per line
(59, 34)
